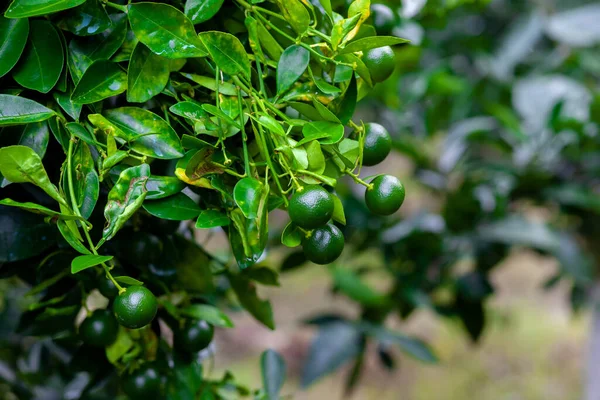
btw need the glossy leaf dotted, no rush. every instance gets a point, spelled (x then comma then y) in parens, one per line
(80, 132)
(225, 88)
(90, 18)
(125, 198)
(36, 136)
(147, 74)
(270, 124)
(64, 101)
(29, 8)
(335, 344)
(83, 52)
(190, 110)
(338, 211)
(247, 194)
(127, 280)
(146, 132)
(326, 132)
(86, 184)
(21, 164)
(101, 80)
(36, 209)
(81, 263)
(291, 66)
(291, 235)
(178, 207)
(42, 60)
(245, 291)
(23, 234)
(348, 103)
(165, 30)
(368, 43)
(163, 186)
(71, 238)
(295, 14)
(208, 313)
(202, 10)
(13, 37)
(273, 373)
(211, 219)
(227, 52)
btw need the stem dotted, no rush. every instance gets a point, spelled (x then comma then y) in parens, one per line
(357, 179)
(116, 6)
(76, 210)
(244, 136)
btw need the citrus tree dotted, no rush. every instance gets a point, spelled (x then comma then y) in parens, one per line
(128, 125)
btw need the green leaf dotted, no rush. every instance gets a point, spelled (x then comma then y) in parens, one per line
(174, 208)
(190, 110)
(146, 132)
(90, 18)
(127, 280)
(23, 234)
(202, 10)
(208, 313)
(64, 101)
(160, 187)
(192, 265)
(295, 14)
(327, 132)
(37, 209)
(349, 283)
(373, 42)
(43, 59)
(270, 124)
(147, 74)
(86, 183)
(21, 164)
(335, 344)
(13, 36)
(103, 79)
(32, 8)
(325, 113)
(246, 294)
(273, 373)
(247, 194)
(125, 198)
(59, 132)
(342, 28)
(83, 52)
(348, 103)
(316, 158)
(165, 30)
(120, 347)
(291, 66)
(225, 88)
(338, 211)
(80, 132)
(263, 274)
(211, 219)
(327, 7)
(291, 235)
(70, 237)
(227, 52)
(35, 135)
(326, 87)
(84, 262)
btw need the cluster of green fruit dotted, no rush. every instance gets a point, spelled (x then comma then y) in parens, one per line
(312, 208)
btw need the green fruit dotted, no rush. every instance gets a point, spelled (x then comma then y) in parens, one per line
(312, 207)
(106, 287)
(386, 196)
(136, 307)
(384, 18)
(381, 63)
(196, 335)
(143, 383)
(323, 245)
(378, 144)
(99, 329)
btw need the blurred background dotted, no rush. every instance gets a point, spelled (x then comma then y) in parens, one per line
(494, 110)
(483, 286)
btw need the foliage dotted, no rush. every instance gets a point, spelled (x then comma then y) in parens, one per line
(124, 126)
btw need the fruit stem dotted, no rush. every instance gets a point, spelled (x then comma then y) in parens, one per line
(357, 179)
